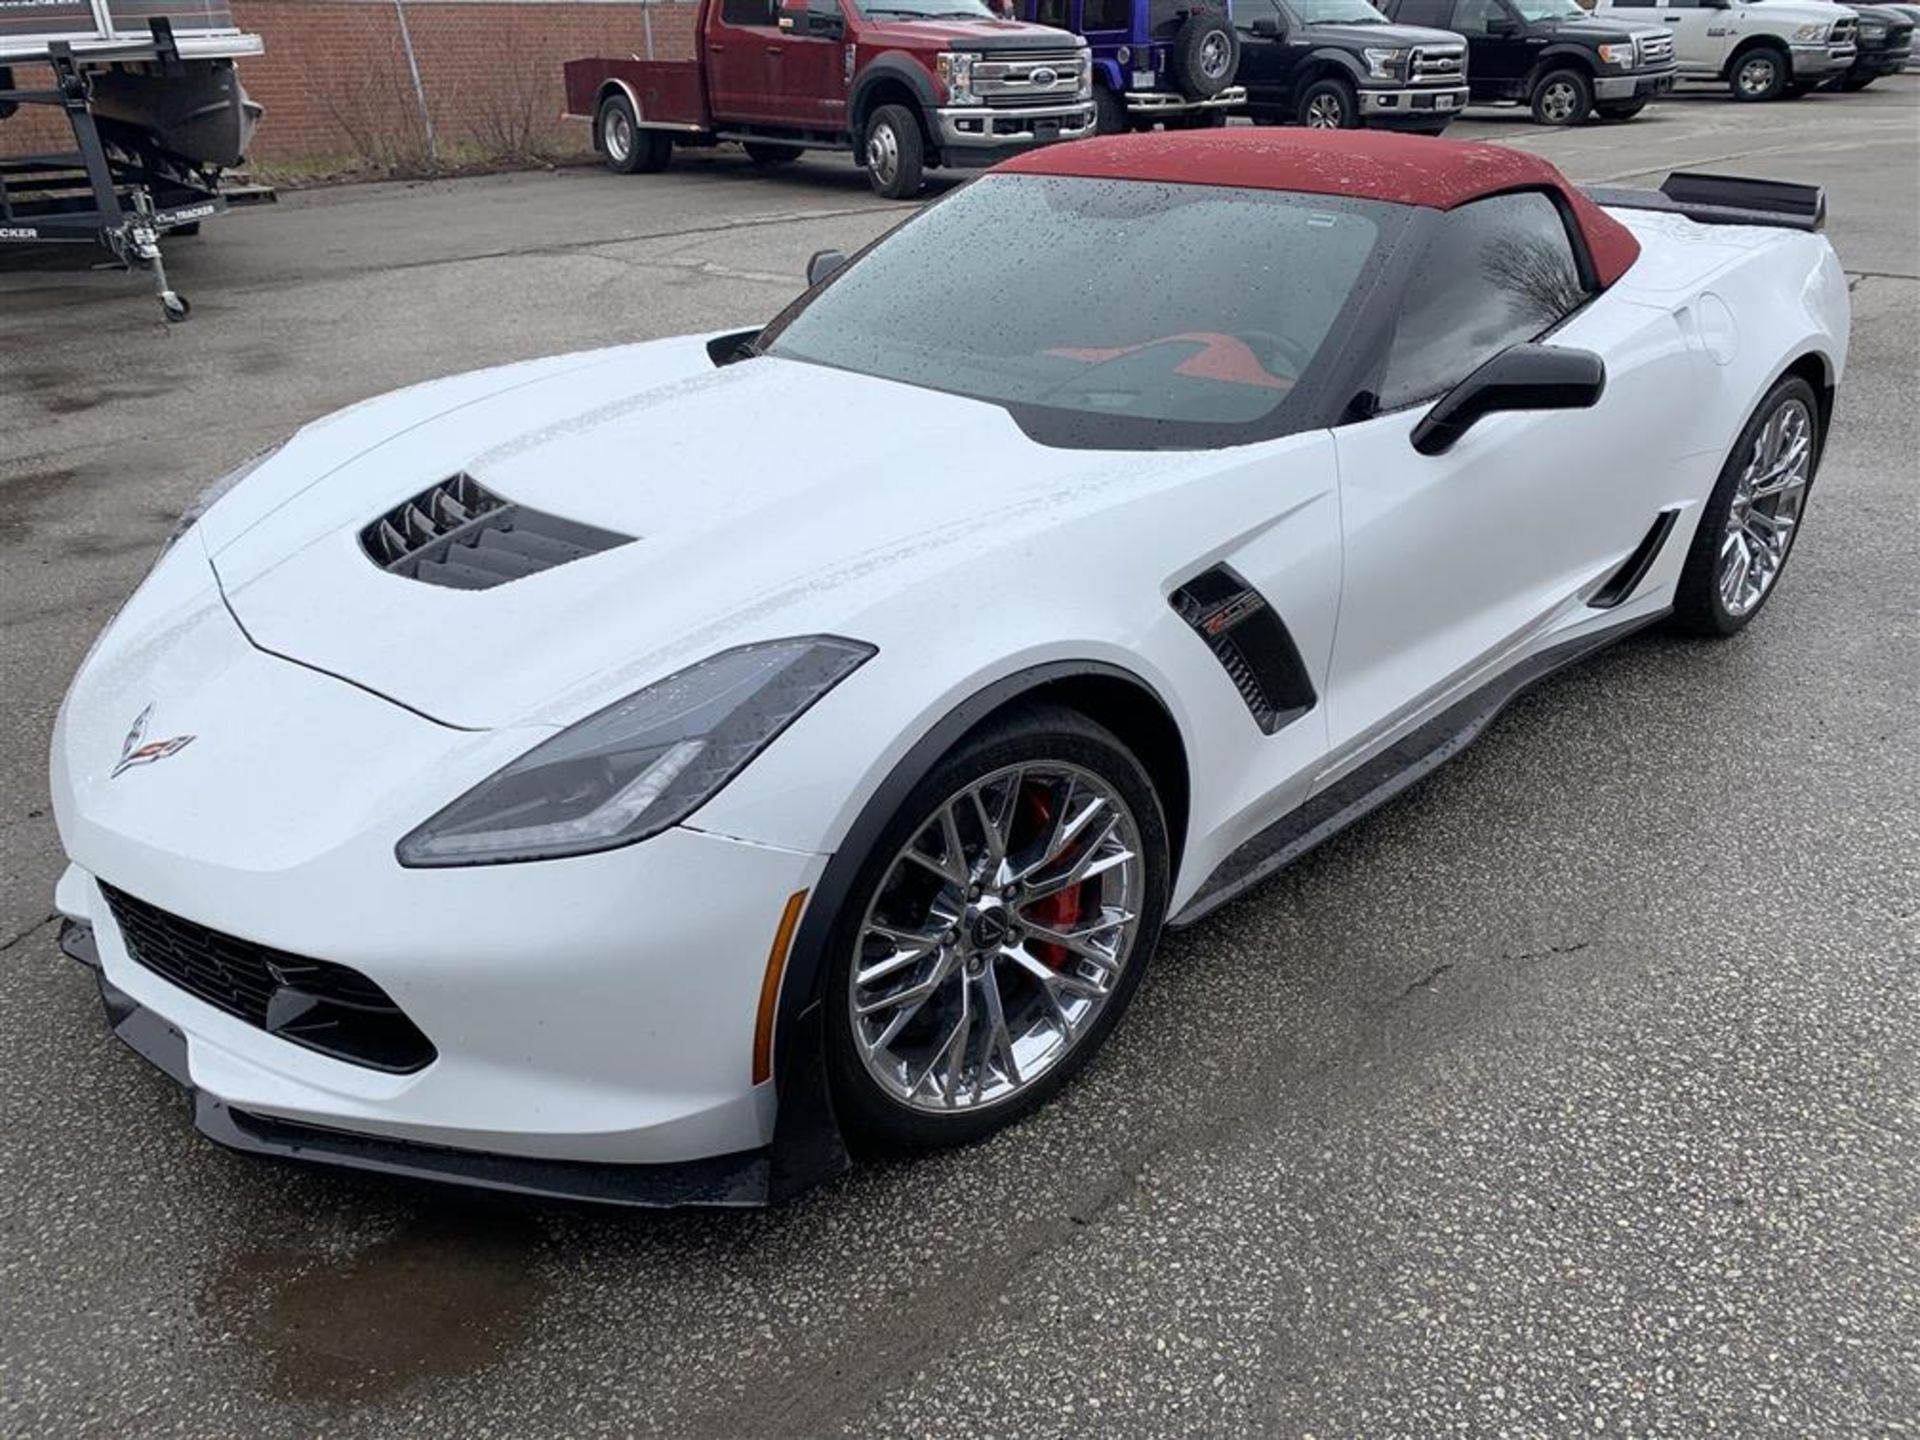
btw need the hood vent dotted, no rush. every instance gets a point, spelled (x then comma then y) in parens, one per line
(461, 535)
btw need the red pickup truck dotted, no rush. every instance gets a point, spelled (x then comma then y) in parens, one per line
(902, 85)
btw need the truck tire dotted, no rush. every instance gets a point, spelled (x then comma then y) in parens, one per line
(1205, 56)
(895, 154)
(1109, 112)
(1329, 104)
(1561, 97)
(1624, 110)
(1760, 74)
(771, 157)
(627, 149)
(1854, 84)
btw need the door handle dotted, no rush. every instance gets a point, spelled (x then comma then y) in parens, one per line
(773, 49)
(1671, 19)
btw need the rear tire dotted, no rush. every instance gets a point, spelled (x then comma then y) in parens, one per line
(627, 149)
(895, 153)
(1561, 97)
(1739, 528)
(1058, 1007)
(771, 157)
(1205, 56)
(1329, 104)
(1761, 74)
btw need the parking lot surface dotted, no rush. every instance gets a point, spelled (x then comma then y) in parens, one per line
(1576, 1091)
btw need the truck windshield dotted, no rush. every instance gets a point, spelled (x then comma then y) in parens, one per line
(1336, 12)
(1549, 10)
(926, 10)
(1011, 291)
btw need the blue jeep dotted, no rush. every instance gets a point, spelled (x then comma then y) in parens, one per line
(1155, 62)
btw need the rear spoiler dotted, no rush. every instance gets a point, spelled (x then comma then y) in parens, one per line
(1725, 200)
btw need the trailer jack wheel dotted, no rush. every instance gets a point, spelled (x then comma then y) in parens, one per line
(175, 306)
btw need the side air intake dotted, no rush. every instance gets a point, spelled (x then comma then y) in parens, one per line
(461, 535)
(1251, 643)
(1626, 579)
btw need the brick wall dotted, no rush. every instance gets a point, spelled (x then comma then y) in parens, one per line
(337, 88)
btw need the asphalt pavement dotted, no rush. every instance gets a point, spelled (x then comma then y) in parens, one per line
(1576, 1091)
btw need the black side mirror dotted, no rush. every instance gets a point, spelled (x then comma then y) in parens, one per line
(1527, 377)
(1502, 25)
(824, 265)
(829, 26)
(1267, 29)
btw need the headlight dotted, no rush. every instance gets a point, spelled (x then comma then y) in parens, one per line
(204, 501)
(1617, 54)
(955, 69)
(639, 765)
(1811, 32)
(1386, 64)
(1873, 32)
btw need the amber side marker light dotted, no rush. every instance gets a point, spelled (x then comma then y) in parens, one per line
(770, 986)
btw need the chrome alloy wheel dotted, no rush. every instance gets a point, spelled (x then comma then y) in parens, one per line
(883, 153)
(1557, 102)
(617, 135)
(1325, 112)
(1214, 54)
(1766, 507)
(1756, 75)
(998, 933)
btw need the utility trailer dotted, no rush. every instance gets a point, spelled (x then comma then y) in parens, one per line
(157, 111)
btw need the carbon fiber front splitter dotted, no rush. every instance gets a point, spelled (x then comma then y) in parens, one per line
(748, 1178)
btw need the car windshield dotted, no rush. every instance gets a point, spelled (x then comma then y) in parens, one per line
(1009, 291)
(1336, 12)
(927, 10)
(1549, 10)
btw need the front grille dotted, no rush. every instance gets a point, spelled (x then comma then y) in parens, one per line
(461, 535)
(1656, 49)
(1842, 32)
(313, 1003)
(1437, 65)
(1010, 81)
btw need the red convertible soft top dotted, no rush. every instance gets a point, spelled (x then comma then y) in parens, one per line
(1365, 164)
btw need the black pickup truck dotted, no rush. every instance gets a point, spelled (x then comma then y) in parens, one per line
(1335, 64)
(1552, 56)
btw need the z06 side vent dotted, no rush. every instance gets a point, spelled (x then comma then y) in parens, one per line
(1251, 643)
(1621, 584)
(461, 535)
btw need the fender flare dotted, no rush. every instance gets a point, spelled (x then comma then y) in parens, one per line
(1330, 56)
(807, 1147)
(894, 65)
(608, 87)
(1551, 59)
(1748, 44)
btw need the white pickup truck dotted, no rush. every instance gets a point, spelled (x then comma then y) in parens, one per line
(1760, 49)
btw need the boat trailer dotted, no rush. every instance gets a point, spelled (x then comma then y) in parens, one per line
(152, 131)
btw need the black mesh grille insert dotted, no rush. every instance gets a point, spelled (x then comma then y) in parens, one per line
(1251, 642)
(315, 1003)
(461, 535)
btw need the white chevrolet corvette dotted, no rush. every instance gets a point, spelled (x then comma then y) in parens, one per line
(631, 775)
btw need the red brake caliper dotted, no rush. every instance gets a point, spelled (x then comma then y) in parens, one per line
(1060, 911)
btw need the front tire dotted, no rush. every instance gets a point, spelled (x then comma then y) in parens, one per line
(996, 932)
(1562, 97)
(1624, 110)
(1329, 104)
(895, 153)
(1761, 75)
(1752, 518)
(1854, 84)
(1109, 112)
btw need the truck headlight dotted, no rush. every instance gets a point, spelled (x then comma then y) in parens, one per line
(1811, 32)
(955, 69)
(1621, 55)
(1386, 64)
(640, 765)
(1870, 31)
